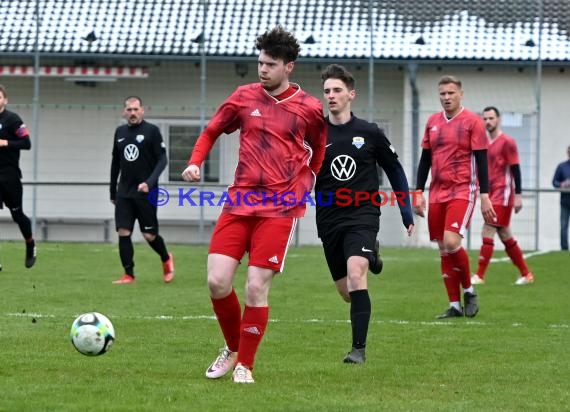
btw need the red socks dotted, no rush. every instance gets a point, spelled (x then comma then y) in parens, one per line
(460, 261)
(242, 335)
(485, 256)
(450, 278)
(228, 312)
(253, 325)
(514, 251)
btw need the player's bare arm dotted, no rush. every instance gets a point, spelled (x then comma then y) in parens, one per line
(419, 204)
(191, 174)
(518, 203)
(143, 187)
(487, 208)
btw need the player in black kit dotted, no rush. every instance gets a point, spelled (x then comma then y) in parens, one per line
(14, 137)
(348, 202)
(139, 156)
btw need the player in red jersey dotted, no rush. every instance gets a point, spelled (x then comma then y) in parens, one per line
(454, 146)
(282, 146)
(505, 193)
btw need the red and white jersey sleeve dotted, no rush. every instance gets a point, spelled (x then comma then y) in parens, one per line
(452, 142)
(282, 146)
(501, 155)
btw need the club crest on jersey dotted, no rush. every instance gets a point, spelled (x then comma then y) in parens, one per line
(139, 138)
(358, 141)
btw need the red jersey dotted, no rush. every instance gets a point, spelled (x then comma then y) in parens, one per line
(282, 147)
(501, 155)
(452, 142)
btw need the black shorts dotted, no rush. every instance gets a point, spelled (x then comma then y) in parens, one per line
(343, 243)
(127, 210)
(11, 193)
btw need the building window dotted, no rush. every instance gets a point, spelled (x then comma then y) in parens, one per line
(522, 127)
(180, 137)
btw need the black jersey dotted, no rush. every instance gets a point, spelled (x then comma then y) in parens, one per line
(15, 132)
(353, 152)
(137, 154)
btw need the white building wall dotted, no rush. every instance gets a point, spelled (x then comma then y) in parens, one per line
(554, 140)
(77, 125)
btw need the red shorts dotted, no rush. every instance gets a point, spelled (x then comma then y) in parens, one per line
(503, 216)
(453, 216)
(265, 238)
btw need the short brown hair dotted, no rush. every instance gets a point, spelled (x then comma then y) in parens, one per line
(128, 98)
(448, 79)
(336, 71)
(3, 90)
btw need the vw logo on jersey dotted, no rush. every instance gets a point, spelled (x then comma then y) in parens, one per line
(131, 152)
(139, 138)
(343, 167)
(358, 141)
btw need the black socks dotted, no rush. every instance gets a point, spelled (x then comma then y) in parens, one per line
(159, 247)
(127, 252)
(360, 309)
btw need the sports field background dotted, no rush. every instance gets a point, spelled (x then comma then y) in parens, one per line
(512, 357)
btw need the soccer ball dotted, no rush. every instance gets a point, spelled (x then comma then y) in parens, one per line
(92, 334)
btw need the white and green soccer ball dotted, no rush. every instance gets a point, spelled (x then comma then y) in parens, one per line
(92, 334)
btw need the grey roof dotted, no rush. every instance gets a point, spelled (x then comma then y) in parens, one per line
(450, 29)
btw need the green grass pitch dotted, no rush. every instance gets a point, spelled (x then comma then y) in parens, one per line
(514, 356)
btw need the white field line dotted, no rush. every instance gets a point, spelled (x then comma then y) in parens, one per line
(526, 256)
(313, 320)
(436, 257)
